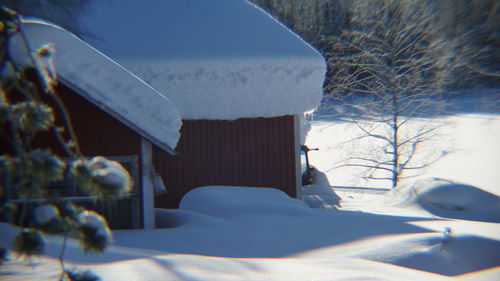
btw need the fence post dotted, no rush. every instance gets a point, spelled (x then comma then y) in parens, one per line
(148, 204)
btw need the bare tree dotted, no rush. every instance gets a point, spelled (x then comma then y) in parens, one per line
(388, 68)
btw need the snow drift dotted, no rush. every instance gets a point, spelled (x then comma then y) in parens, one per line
(458, 201)
(238, 233)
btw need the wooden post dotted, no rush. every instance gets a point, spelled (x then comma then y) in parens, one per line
(298, 170)
(148, 204)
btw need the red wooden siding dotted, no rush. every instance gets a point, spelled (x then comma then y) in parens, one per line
(98, 133)
(246, 152)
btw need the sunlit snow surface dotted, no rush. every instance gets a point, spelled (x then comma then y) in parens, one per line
(443, 226)
(238, 233)
(472, 141)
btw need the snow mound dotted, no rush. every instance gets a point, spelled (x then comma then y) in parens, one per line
(461, 254)
(224, 201)
(166, 218)
(323, 197)
(458, 201)
(320, 193)
(435, 252)
(202, 268)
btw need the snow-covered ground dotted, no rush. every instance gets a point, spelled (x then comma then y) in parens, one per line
(237, 233)
(429, 229)
(471, 141)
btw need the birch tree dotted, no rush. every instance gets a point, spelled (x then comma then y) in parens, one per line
(388, 68)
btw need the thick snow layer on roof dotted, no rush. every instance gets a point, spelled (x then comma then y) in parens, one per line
(235, 88)
(188, 29)
(219, 59)
(105, 83)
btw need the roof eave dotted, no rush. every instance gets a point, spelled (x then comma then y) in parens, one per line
(118, 117)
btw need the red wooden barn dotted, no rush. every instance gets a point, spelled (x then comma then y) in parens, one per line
(241, 97)
(113, 114)
(240, 80)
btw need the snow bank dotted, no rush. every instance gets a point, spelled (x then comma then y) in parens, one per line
(237, 233)
(323, 197)
(166, 218)
(459, 201)
(104, 83)
(430, 197)
(224, 201)
(462, 254)
(428, 252)
(201, 268)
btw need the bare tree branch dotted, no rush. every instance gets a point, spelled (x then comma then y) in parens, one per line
(390, 64)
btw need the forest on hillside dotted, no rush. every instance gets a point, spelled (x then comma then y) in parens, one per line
(469, 28)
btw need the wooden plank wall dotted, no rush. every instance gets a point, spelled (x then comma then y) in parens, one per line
(98, 133)
(120, 213)
(245, 152)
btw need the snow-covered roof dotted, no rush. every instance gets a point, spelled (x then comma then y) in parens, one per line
(218, 59)
(105, 83)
